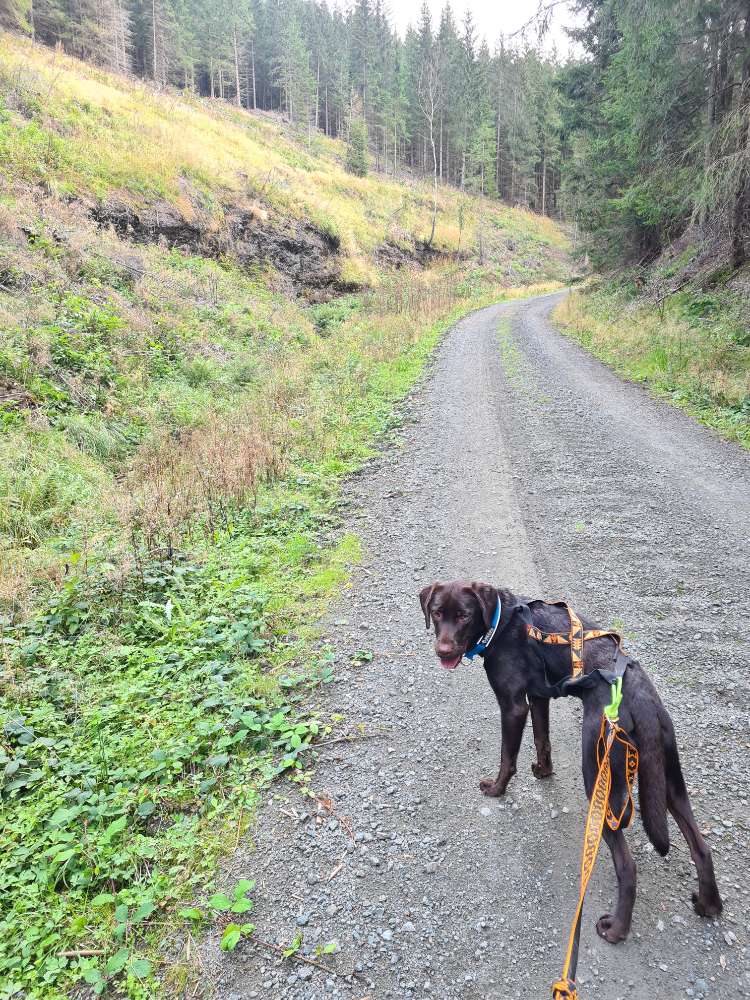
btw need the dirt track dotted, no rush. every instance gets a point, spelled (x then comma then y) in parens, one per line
(524, 462)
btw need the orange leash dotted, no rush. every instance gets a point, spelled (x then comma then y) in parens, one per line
(599, 812)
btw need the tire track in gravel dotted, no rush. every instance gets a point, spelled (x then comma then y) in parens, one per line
(523, 462)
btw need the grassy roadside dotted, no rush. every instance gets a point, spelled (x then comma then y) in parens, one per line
(144, 711)
(694, 352)
(131, 360)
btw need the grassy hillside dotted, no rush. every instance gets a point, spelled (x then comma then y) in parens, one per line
(206, 324)
(79, 131)
(113, 345)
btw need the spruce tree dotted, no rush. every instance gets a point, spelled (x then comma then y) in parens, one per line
(16, 14)
(356, 147)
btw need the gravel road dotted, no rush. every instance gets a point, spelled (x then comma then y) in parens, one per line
(525, 462)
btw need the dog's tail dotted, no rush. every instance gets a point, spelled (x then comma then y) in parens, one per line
(652, 734)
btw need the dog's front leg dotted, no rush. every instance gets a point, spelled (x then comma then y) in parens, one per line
(540, 724)
(513, 721)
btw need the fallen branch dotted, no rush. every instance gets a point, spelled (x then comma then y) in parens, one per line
(81, 953)
(239, 829)
(335, 871)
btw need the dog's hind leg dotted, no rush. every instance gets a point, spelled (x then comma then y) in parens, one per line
(614, 927)
(540, 724)
(706, 901)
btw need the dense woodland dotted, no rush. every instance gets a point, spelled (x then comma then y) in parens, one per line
(656, 123)
(642, 135)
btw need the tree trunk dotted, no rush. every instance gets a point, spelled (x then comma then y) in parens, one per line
(153, 39)
(441, 145)
(434, 181)
(238, 91)
(497, 153)
(740, 222)
(252, 60)
(713, 81)
(317, 95)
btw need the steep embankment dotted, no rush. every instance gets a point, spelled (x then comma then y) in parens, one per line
(206, 322)
(157, 256)
(680, 325)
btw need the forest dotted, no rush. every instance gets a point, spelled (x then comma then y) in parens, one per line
(641, 135)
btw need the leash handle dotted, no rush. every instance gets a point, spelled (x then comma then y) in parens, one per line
(612, 711)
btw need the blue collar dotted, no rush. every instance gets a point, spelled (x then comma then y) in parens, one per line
(486, 639)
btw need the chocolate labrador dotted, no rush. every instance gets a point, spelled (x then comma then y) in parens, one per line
(476, 619)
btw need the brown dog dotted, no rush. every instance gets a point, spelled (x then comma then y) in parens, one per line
(471, 619)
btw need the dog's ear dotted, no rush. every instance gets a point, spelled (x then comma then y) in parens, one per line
(425, 599)
(487, 598)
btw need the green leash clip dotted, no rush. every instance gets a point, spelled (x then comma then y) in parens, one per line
(612, 711)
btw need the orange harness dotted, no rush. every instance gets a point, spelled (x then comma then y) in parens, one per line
(575, 638)
(599, 811)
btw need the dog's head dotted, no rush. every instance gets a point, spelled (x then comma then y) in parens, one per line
(461, 612)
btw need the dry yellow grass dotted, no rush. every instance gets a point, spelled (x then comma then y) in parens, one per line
(110, 133)
(700, 363)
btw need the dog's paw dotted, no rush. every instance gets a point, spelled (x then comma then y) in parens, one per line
(610, 928)
(707, 907)
(491, 788)
(541, 770)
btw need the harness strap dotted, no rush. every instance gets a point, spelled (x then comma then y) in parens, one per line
(575, 638)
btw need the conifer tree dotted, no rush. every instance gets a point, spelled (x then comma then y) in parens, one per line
(17, 14)
(356, 146)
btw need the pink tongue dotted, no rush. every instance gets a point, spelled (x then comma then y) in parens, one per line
(450, 664)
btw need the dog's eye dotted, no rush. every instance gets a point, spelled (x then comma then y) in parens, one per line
(437, 614)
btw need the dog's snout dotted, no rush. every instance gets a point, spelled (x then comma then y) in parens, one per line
(445, 647)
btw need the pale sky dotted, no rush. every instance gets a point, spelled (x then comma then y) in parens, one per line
(492, 18)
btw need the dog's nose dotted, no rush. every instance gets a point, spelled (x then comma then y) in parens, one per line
(444, 648)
